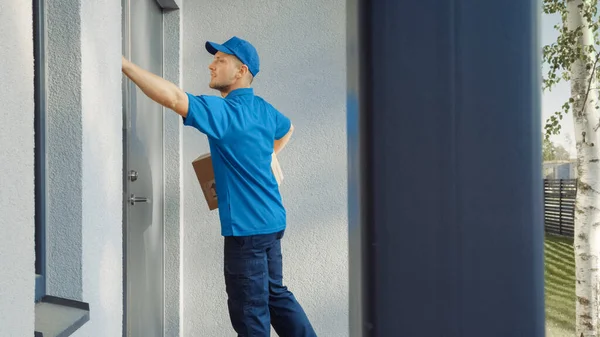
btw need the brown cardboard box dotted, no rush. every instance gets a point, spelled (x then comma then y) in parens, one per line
(276, 169)
(206, 177)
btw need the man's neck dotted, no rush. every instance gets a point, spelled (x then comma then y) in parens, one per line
(226, 91)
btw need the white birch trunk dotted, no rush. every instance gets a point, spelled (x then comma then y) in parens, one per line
(587, 209)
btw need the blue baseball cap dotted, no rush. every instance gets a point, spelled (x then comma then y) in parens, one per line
(242, 49)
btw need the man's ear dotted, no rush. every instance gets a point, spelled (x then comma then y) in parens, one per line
(244, 70)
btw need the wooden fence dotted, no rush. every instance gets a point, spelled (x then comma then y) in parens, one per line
(559, 206)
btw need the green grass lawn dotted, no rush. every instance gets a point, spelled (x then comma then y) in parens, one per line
(560, 287)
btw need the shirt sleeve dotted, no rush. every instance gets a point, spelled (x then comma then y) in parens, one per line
(282, 124)
(208, 114)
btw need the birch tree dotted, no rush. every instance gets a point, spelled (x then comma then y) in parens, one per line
(573, 57)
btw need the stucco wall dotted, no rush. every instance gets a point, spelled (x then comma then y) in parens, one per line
(63, 149)
(84, 154)
(302, 49)
(102, 161)
(172, 171)
(16, 170)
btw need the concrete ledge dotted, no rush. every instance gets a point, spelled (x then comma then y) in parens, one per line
(169, 4)
(58, 317)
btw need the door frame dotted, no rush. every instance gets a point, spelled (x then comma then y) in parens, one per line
(126, 87)
(128, 103)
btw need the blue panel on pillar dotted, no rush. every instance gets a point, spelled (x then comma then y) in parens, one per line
(448, 101)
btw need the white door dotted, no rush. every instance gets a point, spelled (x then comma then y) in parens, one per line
(143, 244)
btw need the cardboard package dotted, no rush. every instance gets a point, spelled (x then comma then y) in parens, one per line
(206, 177)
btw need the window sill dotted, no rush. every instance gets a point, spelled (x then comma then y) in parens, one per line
(58, 317)
(169, 4)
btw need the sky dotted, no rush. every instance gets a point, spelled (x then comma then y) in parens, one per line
(553, 100)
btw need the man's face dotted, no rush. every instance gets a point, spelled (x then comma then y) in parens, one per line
(224, 71)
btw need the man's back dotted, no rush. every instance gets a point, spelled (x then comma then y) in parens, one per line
(241, 129)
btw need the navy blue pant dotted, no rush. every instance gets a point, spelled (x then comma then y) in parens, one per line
(257, 297)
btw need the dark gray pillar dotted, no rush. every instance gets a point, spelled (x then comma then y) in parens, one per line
(445, 186)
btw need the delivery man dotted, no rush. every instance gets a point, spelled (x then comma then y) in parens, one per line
(243, 131)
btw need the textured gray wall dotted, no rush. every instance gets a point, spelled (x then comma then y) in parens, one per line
(302, 49)
(172, 169)
(16, 170)
(84, 151)
(63, 149)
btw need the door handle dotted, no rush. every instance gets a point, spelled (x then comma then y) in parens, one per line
(133, 199)
(132, 175)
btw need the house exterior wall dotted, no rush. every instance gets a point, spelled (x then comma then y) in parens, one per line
(172, 172)
(102, 161)
(16, 170)
(64, 149)
(84, 163)
(303, 58)
(302, 47)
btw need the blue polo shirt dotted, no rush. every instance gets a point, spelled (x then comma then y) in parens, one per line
(241, 130)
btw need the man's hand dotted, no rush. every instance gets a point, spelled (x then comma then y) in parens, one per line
(156, 88)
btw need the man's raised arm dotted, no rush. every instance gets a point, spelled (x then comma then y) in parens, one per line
(156, 88)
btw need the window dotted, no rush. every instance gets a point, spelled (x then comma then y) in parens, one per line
(39, 80)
